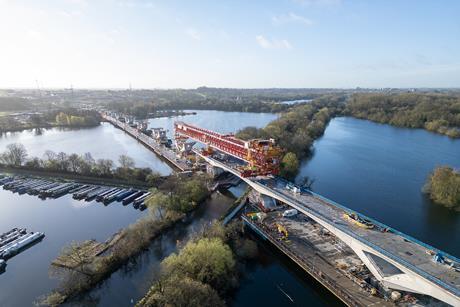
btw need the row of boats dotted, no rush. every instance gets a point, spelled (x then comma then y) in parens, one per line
(107, 195)
(15, 241)
(45, 188)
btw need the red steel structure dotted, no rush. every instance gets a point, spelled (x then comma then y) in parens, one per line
(262, 156)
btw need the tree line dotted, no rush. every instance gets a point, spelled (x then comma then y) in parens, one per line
(205, 98)
(64, 117)
(439, 113)
(16, 156)
(296, 130)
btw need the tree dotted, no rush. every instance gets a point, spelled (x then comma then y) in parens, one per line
(62, 161)
(15, 154)
(209, 261)
(104, 167)
(289, 165)
(181, 292)
(34, 163)
(444, 186)
(75, 163)
(158, 202)
(126, 162)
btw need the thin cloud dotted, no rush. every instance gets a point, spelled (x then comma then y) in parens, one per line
(193, 34)
(291, 18)
(272, 43)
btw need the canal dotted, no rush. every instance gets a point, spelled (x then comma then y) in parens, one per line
(376, 169)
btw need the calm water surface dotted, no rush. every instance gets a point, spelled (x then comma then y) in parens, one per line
(103, 142)
(379, 170)
(222, 122)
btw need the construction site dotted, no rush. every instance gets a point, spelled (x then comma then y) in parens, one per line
(325, 257)
(361, 261)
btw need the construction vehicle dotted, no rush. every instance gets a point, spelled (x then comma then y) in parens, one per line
(294, 189)
(358, 221)
(282, 230)
(290, 212)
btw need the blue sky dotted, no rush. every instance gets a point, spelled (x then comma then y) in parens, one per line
(283, 43)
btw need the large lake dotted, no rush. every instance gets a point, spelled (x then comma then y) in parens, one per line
(376, 169)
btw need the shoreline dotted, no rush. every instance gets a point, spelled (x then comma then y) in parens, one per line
(76, 177)
(21, 129)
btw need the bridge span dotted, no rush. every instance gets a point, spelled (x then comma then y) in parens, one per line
(397, 260)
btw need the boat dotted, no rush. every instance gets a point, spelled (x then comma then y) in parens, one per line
(140, 200)
(358, 221)
(125, 194)
(93, 194)
(101, 196)
(16, 246)
(112, 196)
(131, 198)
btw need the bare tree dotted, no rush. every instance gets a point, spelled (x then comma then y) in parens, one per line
(62, 161)
(16, 154)
(104, 167)
(126, 162)
(74, 161)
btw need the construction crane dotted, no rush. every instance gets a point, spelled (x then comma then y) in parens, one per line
(262, 156)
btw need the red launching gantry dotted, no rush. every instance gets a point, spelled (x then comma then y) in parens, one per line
(263, 156)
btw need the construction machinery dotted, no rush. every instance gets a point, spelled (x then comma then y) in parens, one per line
(358, 221)
(261, 157)
(282, 230)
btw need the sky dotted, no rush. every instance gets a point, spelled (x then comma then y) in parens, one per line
(239, 43)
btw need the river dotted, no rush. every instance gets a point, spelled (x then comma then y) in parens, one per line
(376, 169)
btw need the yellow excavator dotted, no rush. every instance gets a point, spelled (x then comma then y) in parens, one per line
(358, 221)
(282, 230)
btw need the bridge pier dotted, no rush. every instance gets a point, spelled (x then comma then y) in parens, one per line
(214, 170)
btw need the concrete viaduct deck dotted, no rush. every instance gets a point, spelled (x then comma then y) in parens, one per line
(395, 259)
